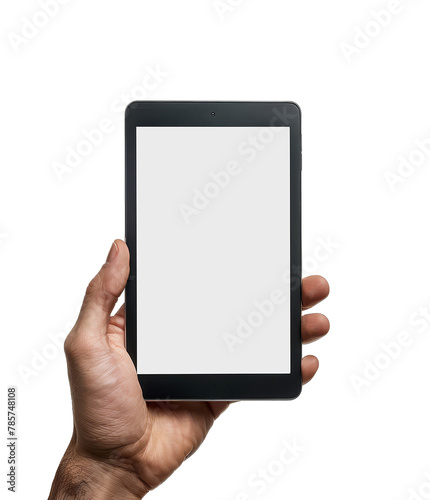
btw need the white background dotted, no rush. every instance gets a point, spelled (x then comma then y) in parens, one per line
(358, 119)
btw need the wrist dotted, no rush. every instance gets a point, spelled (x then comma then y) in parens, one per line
(84, 477)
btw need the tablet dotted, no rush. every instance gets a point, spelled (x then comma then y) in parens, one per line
(213, 225)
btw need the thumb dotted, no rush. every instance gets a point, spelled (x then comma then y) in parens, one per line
(103, 291)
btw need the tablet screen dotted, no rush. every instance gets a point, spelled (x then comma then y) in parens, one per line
(213, 245)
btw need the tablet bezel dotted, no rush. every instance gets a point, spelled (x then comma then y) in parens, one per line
(213, 387)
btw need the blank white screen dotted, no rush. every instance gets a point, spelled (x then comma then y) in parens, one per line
(213, 242)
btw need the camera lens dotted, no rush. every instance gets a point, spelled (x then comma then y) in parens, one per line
(213, 113)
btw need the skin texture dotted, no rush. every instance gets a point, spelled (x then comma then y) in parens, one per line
(121, 446)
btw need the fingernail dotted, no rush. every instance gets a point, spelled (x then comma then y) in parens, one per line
(112, 252)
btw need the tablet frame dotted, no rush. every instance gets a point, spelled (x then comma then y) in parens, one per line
(217, 387)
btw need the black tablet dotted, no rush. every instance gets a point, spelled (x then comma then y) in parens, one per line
(213, 225)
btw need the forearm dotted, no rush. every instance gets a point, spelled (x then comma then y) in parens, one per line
(79, 477)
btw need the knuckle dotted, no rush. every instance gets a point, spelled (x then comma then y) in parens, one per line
(101, 291)
(94, 286)
(75, 342)
(78, 347)
(70, 345)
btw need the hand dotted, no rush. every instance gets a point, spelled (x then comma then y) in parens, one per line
(122, 446)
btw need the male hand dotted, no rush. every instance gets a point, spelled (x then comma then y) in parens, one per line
(122, 447)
